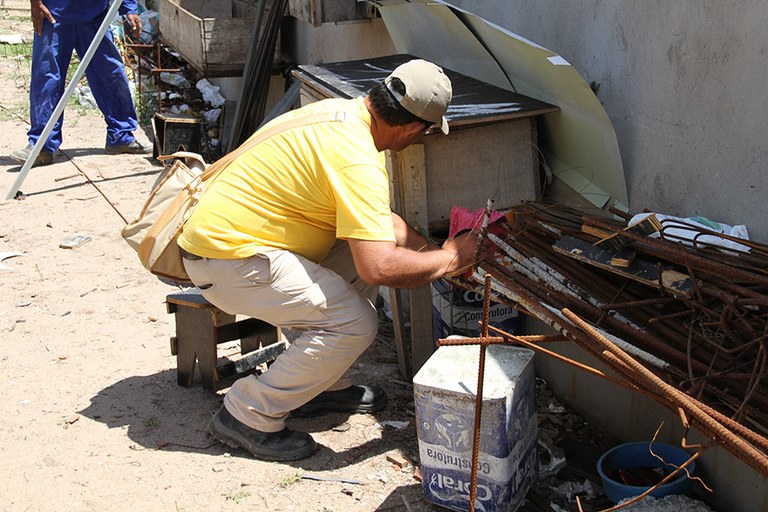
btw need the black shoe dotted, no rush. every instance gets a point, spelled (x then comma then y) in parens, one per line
(274, 446)
(21, 155)
(133, 148)
(359, 398)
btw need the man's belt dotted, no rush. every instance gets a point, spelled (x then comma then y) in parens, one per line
(188, 255)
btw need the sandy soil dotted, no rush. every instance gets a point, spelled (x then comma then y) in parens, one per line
(92, 417)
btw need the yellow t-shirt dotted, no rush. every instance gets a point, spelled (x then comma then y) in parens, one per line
(299, 190)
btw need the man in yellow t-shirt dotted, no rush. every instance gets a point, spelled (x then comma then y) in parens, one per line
(298, 231)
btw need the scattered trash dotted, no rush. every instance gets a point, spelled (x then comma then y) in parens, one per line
(175, 79)
(309, 476)
(75, 241)
(210, 92)
(86, 293)
(698, 231)
(6, 255)
(84, 97)
(398, 460)
(570, 490)
(212, 116)
(398, 425)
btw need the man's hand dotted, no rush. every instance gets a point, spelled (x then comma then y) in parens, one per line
(464, 248)
(135, 22)
(40, 13)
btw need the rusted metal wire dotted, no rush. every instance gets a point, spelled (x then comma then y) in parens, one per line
(756, 459)
(712, 341)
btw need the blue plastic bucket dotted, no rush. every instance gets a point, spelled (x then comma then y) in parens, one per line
(632, 456)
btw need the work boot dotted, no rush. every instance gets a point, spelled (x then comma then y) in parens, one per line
(358, 398)
(273, 446)
(21, 155)
(134, 148)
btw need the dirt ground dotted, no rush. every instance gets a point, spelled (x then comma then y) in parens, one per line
(92, 417)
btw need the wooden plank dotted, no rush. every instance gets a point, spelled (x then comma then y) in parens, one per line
(409, 188)
(402, 341)
(180, 29)
(641, 271)
(469, 166)
(595, 231)
(306, 10)
(412, 184)
(623, 257)
(616, 241)
(422, 342)
(213, 37)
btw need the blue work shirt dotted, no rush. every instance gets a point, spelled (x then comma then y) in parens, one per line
(85, 11)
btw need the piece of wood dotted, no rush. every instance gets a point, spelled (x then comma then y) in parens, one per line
(201, 327)
(623, 257)
(211, 36)
(641, 271)
(409, 179)
(402, 342)
(422, 341)
(617, 241)
(595, 231)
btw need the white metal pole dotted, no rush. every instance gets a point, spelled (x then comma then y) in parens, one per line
(63, 101)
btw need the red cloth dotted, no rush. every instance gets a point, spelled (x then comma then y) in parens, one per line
(462, 218)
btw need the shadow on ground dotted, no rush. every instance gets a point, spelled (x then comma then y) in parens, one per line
(160, 415)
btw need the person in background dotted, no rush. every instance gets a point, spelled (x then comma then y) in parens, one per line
(60, 27)
(298, 232)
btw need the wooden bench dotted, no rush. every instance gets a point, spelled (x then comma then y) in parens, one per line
(201, 327)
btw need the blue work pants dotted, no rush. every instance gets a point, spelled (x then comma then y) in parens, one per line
(51, 54)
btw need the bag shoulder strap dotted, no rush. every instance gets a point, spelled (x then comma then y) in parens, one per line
(261, 136)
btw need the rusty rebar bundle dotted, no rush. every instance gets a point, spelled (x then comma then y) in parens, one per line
(698, 314)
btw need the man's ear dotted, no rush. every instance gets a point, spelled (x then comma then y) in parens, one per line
(414, 128)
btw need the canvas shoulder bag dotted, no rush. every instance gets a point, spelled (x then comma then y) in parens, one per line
(177, 190)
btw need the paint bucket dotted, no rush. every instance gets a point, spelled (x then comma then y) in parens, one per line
(444, 396)
(624, 470)
(459, 312)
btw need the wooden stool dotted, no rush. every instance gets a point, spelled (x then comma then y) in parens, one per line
(201, 326)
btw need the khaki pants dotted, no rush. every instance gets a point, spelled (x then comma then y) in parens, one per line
(331, 306)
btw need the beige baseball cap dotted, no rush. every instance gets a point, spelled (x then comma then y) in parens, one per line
(427, 91)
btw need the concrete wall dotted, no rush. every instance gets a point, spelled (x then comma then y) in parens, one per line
(334, 42)
(683, 83)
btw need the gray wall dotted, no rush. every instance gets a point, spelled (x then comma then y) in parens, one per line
(684, 83)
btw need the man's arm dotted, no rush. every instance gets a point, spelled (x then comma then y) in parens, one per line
(409, 238)
(388, 264)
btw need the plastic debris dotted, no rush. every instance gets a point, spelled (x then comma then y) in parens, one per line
(175, 79)
(6, 255)
(84, 96)
(210, 93)
(212, 116)
(686, 230)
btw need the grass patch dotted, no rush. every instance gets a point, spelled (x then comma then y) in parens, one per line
(24, 49)
(237, 495)
(290, 480)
